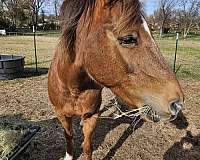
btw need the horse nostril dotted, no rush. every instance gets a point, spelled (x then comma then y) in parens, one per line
(175, 107)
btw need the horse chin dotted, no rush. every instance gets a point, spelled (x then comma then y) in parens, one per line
(151, 115)
(173, 117)
(155, 117)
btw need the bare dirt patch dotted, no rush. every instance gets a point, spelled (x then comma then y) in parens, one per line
(27, 100)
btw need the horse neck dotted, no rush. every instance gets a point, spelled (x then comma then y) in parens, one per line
(83, 28)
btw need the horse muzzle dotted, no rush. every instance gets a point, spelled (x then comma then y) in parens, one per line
(174, 109)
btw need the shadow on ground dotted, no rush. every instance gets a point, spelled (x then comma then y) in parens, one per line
(188, 148)
(104, 126)
(31, 72)
(50, 142)
(27, 73)
(181, 121)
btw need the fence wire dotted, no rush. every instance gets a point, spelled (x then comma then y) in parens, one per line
(188, 55)
(23, 44)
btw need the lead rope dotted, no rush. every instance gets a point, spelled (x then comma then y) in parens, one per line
(132, 113)
(135, 114)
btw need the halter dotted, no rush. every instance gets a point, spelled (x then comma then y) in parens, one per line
(131, 113)
(135, 114)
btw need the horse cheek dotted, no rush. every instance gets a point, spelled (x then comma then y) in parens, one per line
(102, 65)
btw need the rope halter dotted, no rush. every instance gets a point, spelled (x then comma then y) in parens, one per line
(130, 113)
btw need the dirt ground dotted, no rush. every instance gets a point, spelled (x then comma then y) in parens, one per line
(26, 100)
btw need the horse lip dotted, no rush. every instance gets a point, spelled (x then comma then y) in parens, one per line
(173, 117)
(175, 109)
(155, 117)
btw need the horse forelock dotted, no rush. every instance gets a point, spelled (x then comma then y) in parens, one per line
(72, 10)
(131, 15)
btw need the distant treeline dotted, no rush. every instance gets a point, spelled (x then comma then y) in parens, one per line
(23, 14)
(181, 16)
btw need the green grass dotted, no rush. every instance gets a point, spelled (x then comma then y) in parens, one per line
(188, 55)
(24, 45)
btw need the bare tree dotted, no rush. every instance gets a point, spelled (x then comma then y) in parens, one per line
(188, 15)
(56, 7)
(29, 12)
(35, 6)
(14, 10)
(12, 7)
(164, 12)
(152, 22)
(1, 9)
(180, 15)
(57, 4)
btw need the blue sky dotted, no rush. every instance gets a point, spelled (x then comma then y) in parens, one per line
(150, 7)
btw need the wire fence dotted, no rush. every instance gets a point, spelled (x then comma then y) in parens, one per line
(188, 54)
(41, 33)
(23, 44)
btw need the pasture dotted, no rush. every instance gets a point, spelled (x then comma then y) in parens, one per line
(26, 99)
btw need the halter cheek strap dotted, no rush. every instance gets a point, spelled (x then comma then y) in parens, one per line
(135, 114)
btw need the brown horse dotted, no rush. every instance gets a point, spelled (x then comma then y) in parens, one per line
(107, 43)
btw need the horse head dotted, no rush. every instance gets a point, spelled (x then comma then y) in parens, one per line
(119, 52)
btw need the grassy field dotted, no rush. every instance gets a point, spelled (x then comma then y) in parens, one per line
(188, 52)
(188, 56)
(24, 45)
(26, 100)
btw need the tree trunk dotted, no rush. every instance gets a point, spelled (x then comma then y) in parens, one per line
(161, 31)
(36, 19)
(161, 28)
(184, 33)
(187, 30)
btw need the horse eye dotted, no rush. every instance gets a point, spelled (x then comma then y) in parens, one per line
(128, 40)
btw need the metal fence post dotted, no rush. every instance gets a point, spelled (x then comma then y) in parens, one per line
(175, 55)
(35, 46)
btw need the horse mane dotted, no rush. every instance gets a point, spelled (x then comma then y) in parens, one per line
(72, 10)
